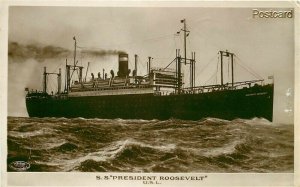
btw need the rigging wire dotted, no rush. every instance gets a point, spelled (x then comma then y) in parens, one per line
(197, 78)
(190, 44)
(181, 43)
(149, 39)
(49, 84)
(247, 68)
(169, 64)
(175, 36)
(204, 36)
(143, 67)
(198, 20)
(130, 43)
(60, 64)
(215, 73)
(206, 65)
(173, 47)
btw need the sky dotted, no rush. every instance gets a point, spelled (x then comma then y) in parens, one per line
(42, 36)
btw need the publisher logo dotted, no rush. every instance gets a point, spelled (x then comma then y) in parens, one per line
(256, 13)
(19, 166)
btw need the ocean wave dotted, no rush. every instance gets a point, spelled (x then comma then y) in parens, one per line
(118, 145)
(52, 145)
(210, 120)
(120, 150)
(92, 166)
(254, 121)
(41, 132)
(47, 144)
(66, 147)
(225, 149)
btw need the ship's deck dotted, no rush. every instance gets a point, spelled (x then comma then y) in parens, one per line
(112, 91)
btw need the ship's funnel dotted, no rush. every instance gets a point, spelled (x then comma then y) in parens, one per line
(123, 64)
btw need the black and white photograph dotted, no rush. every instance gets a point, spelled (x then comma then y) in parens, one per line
(137, 90)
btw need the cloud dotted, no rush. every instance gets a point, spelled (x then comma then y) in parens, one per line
(19, 52)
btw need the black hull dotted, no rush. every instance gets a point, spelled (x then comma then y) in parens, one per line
(228, 104)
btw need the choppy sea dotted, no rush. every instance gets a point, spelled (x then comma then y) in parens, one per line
(117, 145)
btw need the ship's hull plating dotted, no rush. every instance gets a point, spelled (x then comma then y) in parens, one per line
(228, 104)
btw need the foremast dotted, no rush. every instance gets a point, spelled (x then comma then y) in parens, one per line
(73, 67)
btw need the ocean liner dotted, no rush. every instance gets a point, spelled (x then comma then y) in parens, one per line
(160, 94)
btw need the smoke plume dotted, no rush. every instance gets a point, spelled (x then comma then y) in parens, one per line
(19, 53)
(102, 52)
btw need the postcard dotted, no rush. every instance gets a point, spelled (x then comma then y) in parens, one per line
(131, 93)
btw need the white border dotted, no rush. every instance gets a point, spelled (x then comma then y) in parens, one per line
(88, 179)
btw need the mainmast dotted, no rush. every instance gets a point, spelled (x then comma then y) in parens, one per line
(185, 60)
(185, 31)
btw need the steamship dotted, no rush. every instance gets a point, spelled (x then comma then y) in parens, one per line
(160, 94)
